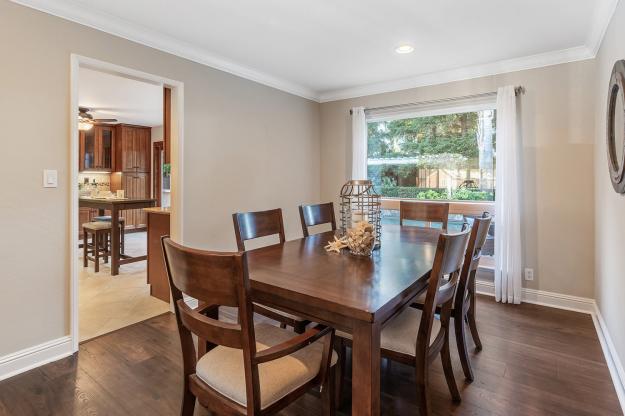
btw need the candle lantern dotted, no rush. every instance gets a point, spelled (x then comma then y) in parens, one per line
(360, 202)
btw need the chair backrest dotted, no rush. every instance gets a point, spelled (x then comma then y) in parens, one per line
(447, 262)
(473, 253)
(214, 279)
(251, 225)
(424, 211)
(317, 214)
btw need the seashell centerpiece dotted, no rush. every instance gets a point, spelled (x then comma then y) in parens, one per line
(361, 238)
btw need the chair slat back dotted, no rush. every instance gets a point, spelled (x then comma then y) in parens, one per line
(477, 238)
(479, 232)
(214, 279)
(447, 261)
(424, 211)
(251, 225)
(316, 214)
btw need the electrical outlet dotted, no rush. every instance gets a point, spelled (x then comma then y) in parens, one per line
(529, 274)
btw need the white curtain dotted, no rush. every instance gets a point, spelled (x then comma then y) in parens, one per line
(359, 143)
(508, 262)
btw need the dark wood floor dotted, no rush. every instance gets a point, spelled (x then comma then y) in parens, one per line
(536, 361)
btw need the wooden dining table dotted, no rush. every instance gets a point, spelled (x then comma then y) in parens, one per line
(351, 293)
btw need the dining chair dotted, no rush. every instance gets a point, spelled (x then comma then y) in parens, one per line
(252, 225)
(415, 337)
(464, 307)
(316, 214)
(247, 369)
(424, 211)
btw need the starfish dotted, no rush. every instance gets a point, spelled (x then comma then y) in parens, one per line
(336, 245)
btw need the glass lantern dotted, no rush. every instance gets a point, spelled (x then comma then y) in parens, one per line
(360, 202)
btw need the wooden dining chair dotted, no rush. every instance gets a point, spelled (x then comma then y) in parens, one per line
(316, 214)
(464, 307)
(252, 225)
(416, 337)
(247, 369)
(424, 211)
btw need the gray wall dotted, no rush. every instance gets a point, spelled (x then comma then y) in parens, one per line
(557, 164)
(609, 206)
(245, 145)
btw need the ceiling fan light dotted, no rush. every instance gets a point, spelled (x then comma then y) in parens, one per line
(403, 49)
(84, 126)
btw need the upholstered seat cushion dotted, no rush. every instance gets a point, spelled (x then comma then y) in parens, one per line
(106, 218)
(222, 367)
(279, 312)
(97, 225)
(421, 298)
(400, 334)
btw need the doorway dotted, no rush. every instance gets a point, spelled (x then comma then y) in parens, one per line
(106, 183)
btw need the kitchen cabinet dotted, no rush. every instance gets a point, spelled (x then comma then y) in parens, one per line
(135, 185)
(133, 149)
(96, 148)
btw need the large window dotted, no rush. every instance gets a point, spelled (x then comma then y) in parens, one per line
(434, 157)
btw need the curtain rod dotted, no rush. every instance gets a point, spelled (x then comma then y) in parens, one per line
(518, 90)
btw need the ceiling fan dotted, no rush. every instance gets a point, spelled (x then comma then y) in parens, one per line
(86, 120)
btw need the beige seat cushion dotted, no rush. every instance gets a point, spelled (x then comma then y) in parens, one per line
(400, 334)
(279, 312)
(222, 368)
(421, 298)
(97, 225)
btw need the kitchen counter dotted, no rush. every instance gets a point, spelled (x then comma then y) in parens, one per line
(158, 210)
(158, 226)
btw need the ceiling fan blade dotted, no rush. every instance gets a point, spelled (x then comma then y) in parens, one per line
(104, 120)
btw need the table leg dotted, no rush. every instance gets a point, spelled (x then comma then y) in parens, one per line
(366, 369)
(115, 241)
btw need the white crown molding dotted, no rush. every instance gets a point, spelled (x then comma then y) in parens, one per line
(29, 358)
(469, 72)
(70, 10)
(602, 18)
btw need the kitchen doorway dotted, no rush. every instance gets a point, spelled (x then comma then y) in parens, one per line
(122, 162)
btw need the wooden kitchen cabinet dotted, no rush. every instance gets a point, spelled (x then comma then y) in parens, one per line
(135, 185)
(133, 151)
(97, 148)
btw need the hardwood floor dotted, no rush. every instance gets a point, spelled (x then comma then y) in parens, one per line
(536, 361)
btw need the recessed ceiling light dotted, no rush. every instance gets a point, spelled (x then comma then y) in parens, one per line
(404, 49)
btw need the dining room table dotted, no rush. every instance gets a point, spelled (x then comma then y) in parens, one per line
(115, 206)
(356, 294)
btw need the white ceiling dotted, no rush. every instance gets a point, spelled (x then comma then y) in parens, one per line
(127, 100)
(328, 49)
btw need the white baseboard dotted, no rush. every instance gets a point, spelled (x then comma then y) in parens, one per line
(611, 356)
(29, 358)
(576, 304)
(541, 297)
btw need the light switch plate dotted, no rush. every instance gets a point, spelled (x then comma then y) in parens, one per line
(50, 178)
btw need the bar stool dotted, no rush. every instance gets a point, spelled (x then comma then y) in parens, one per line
(122, 228)
(99, 247)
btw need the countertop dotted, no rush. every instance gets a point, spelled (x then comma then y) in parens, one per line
(158, 210)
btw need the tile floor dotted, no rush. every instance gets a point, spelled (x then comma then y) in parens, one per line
(107, 303)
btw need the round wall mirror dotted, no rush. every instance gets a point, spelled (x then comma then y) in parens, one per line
(616, 127)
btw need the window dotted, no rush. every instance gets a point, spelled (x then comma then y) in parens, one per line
(433, 157)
